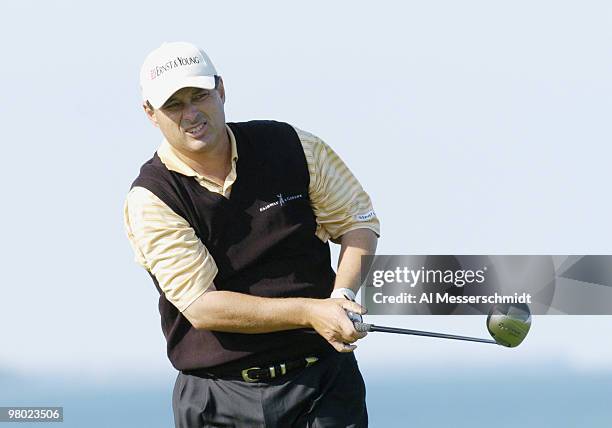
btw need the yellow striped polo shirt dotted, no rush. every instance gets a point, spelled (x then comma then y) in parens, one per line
(167, 246)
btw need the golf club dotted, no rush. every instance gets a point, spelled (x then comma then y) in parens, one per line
(508, 324)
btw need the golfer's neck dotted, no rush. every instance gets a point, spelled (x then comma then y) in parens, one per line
(215, 163)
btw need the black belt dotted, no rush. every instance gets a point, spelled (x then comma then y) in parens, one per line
(259, 374)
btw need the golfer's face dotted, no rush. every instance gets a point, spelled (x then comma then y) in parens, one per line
(192, 119)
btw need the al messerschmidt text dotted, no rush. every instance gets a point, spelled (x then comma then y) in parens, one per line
(496, 298)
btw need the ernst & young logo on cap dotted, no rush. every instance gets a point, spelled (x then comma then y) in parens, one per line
(175, 63)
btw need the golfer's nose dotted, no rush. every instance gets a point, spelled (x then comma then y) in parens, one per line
(190, 112)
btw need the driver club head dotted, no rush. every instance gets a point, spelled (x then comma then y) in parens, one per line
(509, 324)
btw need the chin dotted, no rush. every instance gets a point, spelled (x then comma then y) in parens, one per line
(205, 140)
(197, 145)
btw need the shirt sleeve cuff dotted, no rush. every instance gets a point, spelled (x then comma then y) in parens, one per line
(374, 227)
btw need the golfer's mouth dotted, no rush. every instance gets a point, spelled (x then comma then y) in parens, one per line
(196, 131)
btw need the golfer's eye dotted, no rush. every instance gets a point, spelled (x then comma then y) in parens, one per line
(173, 106)
(200, 96)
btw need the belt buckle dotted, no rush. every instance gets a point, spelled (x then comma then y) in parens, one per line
(245, 374)
(272, 369)
(310, 361)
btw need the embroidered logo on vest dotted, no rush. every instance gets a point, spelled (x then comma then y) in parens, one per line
(282, 200)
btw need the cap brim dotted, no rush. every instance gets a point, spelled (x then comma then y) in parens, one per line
(162, 95)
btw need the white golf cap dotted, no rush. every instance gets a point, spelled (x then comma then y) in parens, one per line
(173, 66)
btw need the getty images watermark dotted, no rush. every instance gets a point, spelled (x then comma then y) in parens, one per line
(471, 284)
(436, 279)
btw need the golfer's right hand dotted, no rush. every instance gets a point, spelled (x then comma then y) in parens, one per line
(328, 317)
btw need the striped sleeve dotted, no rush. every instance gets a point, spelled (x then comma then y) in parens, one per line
(339, 202)
(167, 246)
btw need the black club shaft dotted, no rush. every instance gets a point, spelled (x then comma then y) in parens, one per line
(364, 327)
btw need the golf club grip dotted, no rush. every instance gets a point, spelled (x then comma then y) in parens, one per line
(362, 327)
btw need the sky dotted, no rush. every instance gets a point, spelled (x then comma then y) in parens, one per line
(477, 127)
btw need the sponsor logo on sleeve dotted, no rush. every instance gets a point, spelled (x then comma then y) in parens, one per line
(365, 216)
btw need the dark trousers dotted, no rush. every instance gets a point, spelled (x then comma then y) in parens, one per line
(330, 393)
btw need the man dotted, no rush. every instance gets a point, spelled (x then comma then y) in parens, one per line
(231, 220)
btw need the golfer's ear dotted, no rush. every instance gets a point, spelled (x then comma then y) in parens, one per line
(150, 112)
(221, 88)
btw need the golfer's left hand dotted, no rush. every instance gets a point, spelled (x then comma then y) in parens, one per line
(329, 318)
(347, 293)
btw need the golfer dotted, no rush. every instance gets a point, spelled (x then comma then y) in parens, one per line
(232, 222)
